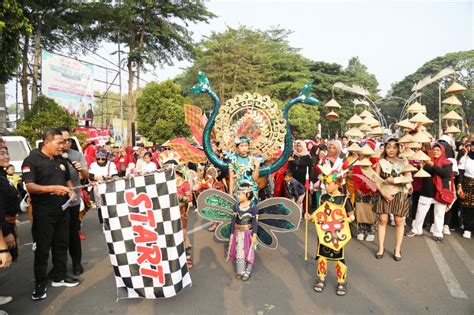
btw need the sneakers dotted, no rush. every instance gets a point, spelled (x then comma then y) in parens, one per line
(466, 234)
(411, 234)
(438, 239)
(446, 230)
(360, 236)
(5, 299)
(39, 292)
(66, 282)
(370, 238)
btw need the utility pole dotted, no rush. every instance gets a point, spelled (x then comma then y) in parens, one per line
(3, 108)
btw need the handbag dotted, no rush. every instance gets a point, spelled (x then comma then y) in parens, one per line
(445, 196)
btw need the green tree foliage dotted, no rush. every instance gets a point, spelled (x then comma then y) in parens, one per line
(45, 113)
(155, 33)
(243, 59)
(12, 25)
(107, 107)
(160, 112)
(462, 61)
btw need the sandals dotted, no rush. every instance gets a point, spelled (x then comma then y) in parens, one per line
(341, 289)
(319, 286)
(212, 228)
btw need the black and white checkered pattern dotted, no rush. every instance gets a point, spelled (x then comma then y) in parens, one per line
(161, 188)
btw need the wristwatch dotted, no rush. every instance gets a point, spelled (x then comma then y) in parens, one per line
(5, 250)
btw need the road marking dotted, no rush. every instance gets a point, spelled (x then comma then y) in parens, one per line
(468, 261)
(205, 225)
(453, 285)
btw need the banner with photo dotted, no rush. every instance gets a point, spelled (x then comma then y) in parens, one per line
(69, 82)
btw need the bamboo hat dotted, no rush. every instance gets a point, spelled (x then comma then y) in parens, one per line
(354, 133)
(422, 173)
(406, 124)
(421, 118)
(452, 115)
(355, 120)
(420, 156)
(455, 88)
(332, 116)
(452, 100)
(365, 113)
(332, 104)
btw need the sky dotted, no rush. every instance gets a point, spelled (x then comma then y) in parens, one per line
(392, 38)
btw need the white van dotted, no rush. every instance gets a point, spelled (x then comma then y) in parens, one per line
(19, 149)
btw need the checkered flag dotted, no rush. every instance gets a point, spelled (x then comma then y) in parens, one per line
(142, 227)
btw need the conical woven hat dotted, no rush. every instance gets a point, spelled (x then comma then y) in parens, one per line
(452, 100)
(354, 120)
(452, 115)
(416, 108)
(406, 138)
(422, 173)
(420, 156)
(421, 137)
(354, 133)
(407, 153)
(367, 150)
(363, 162)
(421, 118)
(365, 113)
(354, 147)
(409, 168)
(414, 145)
(365, 128)
(406, 124)
(332, 104)
(370, 120)
(332, 116)
(455, 88)
(377, 131)
(453, 129)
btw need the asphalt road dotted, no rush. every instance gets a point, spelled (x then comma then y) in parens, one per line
(432, 278)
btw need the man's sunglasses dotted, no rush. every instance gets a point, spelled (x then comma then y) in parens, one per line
(101, 158)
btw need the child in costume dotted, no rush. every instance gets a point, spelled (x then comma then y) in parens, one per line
(332, 220)
(296, 190)
(243, 237)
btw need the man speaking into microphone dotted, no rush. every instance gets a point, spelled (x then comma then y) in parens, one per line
(78, 169)
(49, 184)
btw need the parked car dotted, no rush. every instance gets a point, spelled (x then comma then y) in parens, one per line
(19, 149)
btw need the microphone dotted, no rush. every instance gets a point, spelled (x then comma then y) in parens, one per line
(66, 157)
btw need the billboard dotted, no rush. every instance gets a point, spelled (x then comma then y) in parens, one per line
(69, 82)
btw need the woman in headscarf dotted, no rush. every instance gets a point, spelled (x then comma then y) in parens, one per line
(440, 169)
(465, 190)
(301, 164)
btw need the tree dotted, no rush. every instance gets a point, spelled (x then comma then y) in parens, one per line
(45, 113)
(12, 25)
(56, 25)
(462, 62)
(160, 113)
(155, 33)
(107, 107)
(243, 59)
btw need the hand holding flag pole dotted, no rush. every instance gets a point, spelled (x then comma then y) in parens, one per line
(307, 186)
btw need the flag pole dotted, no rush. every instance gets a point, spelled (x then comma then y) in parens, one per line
(306, 211)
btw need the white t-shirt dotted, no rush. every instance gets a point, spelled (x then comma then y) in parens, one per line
(467, 165)
(148, 167)
(108, 169)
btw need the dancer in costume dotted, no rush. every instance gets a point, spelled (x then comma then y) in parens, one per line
(332, 220)
(243, 233)
(247, 223)
(243, 167)
(393, 185)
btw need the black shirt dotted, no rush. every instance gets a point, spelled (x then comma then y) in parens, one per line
(40, 169)
(9, 202)
(428, 188)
